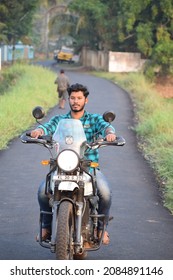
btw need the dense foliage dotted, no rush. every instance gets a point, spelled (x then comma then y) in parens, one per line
(16, 19)
(128, 25)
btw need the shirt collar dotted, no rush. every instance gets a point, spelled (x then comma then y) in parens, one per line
(85, 115)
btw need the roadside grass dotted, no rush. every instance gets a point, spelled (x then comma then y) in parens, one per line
(34, 86)
(154, 127)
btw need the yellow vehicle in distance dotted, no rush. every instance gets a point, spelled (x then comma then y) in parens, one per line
(64, 55)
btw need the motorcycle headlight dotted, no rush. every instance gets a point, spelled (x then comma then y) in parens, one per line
(68, 160)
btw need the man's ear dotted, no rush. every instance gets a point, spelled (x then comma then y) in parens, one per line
(86, 100)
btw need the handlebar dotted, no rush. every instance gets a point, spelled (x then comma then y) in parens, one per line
(46, 140)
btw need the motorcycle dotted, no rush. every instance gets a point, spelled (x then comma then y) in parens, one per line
(71, 188)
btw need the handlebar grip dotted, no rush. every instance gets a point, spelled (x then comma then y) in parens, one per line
(28, 134)
(119, 141)
(27, 139)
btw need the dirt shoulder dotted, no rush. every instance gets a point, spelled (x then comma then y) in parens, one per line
(164, 86)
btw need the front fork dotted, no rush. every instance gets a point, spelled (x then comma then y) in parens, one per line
(54, 226)
(78, 218)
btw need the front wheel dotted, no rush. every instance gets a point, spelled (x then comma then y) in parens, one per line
(65, 231)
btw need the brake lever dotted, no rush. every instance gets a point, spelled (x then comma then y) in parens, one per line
(119, 141)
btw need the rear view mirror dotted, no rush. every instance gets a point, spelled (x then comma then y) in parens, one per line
(38, 113)
(109, 116)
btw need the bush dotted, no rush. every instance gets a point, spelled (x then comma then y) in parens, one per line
(8, 79)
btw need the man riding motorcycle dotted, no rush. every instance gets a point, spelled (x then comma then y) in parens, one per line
(93, 125)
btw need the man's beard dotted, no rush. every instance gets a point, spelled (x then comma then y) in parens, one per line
(77, 110)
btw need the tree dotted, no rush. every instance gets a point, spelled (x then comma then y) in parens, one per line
(16, 18)
(90, 17)
(3, 12)
(51, 21)
(145, 26)
(149, 23)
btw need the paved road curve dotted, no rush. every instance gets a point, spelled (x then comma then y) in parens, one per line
(141, 229)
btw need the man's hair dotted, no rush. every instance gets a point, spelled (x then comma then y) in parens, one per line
(62, 71)
(78, 87)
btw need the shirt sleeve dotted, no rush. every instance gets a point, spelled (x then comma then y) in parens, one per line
(50, 127)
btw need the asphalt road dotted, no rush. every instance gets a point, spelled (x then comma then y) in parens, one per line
(141, 229)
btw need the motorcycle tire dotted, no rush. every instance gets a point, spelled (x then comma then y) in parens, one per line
(65, 231)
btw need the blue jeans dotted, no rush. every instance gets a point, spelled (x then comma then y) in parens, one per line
(104, 195)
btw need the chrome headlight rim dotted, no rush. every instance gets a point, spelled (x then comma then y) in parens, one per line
(71, 164)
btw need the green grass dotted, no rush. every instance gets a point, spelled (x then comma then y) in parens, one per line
(154, 127)
(34, 86)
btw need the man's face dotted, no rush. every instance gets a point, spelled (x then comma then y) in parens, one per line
(77, 101)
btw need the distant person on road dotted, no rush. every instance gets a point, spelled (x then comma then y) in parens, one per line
(63, 83)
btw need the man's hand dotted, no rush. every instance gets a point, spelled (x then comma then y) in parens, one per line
(37, 132)
(110, 137)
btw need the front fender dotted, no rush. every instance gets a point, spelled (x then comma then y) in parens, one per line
(68, 186)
